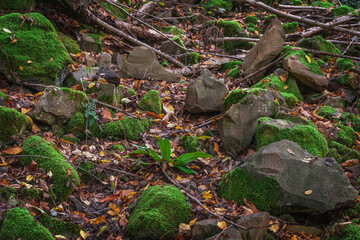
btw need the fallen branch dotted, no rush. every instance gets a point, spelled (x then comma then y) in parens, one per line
(330, 54)
(145, 9)
(302, 7)
(116, 108)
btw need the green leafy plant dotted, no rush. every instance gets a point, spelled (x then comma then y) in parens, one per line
(165, 149)
(89, 111)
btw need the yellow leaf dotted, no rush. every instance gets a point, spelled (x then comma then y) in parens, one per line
(13, 151)
(207, 195)
(284, 77)
(83, 234)
(25, 110)
(178, 178)
(98, 220)
(222, 225)
(21, 68)
(285, 87)
(29, 178)
(308, 192)
(274, 226)
(192, 222)
(293, 237)
(91, 85)
(308, 58)
(102, 229)
(102, 153)
(60, 237)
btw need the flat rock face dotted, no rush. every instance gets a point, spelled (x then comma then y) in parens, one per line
(237, 127)
(205, 94)
(56, 106)
(298, 172)
(142, 64)
(266, 50)
(303, 74)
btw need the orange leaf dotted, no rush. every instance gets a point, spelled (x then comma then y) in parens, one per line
(98, 220)
(222, 225)
(110, 197)
(51, 59)
(13, 151)
(77, 87)
(106, 114)
(155, 115)
(21, 68)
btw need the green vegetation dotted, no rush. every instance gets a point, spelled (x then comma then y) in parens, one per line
(47, 60)
(190, 143)
(192, 58)
(327, 111)
(323, 4)
(296, 2)
(346, 135)
(159, 211)
(59, 227)
(97, 39)
(291, 27)
(218, 4)
(30, 193)
(178, 40)
(51, 160)
(238, 184)
(12, 123)
(4, 96)
(70, 44)
(251, 19)
(7, 192)
(308, 137)
(230, 65)
(118, 147)
(344, 64)
(321, 62)
(115, 11)
(151, 102)
(345, 232)
(341, 153)
(17, 5)
(76, 125)
(234, 73)
(342, 10)
(312, 65)
(235, 96)
(26, 229)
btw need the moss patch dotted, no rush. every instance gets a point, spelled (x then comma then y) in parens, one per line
(312, 65)
(192, 58)
(344, 64)
(322, 4)
(26, 229)
(51, 160)
(342, 153)
(158, 213)
(238, 184)
(12, 123)
(30, 193)
(291, 27)
(251, 19)
(235, 96)
(308, 137)
(342, 10)
(190, 143)
(345, 232)
(4, 96)
(59, 227)
(217, 4)
(7, 192)
(346, 135)
(17, 5)
(38, 43)
(151, 102)
(76, 125)
(70, 44)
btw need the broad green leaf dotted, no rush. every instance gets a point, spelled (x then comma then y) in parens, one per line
(154, 155)
(189, 157)
(140, 151)
(165, 149)
(185, 169)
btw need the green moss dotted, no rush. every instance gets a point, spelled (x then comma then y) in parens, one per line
(159, 210)
(178, 40)
(252, 30)
(118, 147)
(87, 170)
(230, 29)
(59, 227)
(131, 92)
(290, 99)
(342, 153)
(7, 192)
(190, 143)
(12, 123)
(251, 19)
(346, 232)
(343, 79)
(30, 193)
(129, 128)
(235, 96)
(116, 12)
(326, 111)
(17, 5)
(151, 102)
(326, 46)
(291, 27)
(342, 10)
(50, 159)
(218, 4)
(238, 184)
(321, 62)
(26, 229)
(97, 39)
(4, 96)
(173, 30)
(296, 2)
(230, 65)
(192, 58)
(234, 73)
(250, 25)
(312, 65)
(75, 96)
(344, 64)
(47, 60)
(322, 4)
(308, 137)
(76, 125)
(71, 139)
(354, 120)
(346, 135)
(70, 44)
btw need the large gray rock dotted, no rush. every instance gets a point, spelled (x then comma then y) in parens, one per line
(303, 74)
(237, 127)
(57, 105)
(77, 76)
(305, 181)
(205, 94)
(142, 64)
(265, 51)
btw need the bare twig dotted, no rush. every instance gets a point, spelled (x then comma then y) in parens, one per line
(347, 48)
(116, 108)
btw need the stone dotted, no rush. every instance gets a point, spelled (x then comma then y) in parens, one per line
(257, 224)
(205, 229)
(108, 74)
(228, 234)
(106, 92)
(283, 175)
(57, 105)
(265, 51)
(91, 43)
(78, 75)
(170, 48)
(119, 60)
(104, 59)
(237, 127)
(89, 60)
(142, 64)
(303, 74)
(335, 102)
(205, 94)
(315, 98)
(350, 95)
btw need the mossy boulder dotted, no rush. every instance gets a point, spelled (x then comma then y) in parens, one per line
(12, 123)
(342, 10)
(345, 232)
(344, 64)
(106, 92)
(323, 4)
(7, 192)
(291, 27)
(236, 96)
(158, 213)
(59, 227)
(30, 193)
(218, 4)
(234, 73)
(76, 125)
(341, 153)
(320, 44)
(17, 5)
(128, 128)
(91, 42)
(229, 29)
(64, 176)
(4, 96)
(151, 102)
(36, 41)
(230, 65)
(70, 44)
(192, 58)
(20, 224)
(273, 130)
(251, 19)
(346, 135)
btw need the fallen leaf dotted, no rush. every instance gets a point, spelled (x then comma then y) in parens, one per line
(274, 226)
(13, 151)
(308, 192)
(83, 234)
(207, 195)
(51, 59)
(222, 225)
(192, 222)
(290, 151)
(29, 178)
(6, 30)
(308, 58)
(97, 220)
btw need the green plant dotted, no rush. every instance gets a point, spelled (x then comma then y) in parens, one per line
(180, 162)
(89, 112)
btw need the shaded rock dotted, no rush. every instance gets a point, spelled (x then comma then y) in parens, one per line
(237, 127)
(108, 74)
(307, 136)
(282, 174)
(142, 64)
(171, 48)
(315, 98)
(306, 229)
(335, 102)
(205, 94)
(257, 224)
(104, 59)
(151, 101)
(106, 92)
(119, 60)
(205, 229)
(57, 105)
(302, 73)
(228, 234)
(350, 95)
(266, 50)
(89, 60)
(91, 43)
(77, 76)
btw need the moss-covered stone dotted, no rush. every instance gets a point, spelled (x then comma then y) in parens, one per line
(308, 137)
(218, 4)
(320, 44)
(251, 19)
(234, 73)
(129, 128)
(173, 30)
(70, 44)
(7, 192)
(178, 40)
(321, 62)
(327, 111)
(158, 213)
(97, 41)
(4, 96)
(290, 99)
(344, 64)
(30, 193)
(17, 5)
(291, 27)
(342, 10)
(323, 4)
(346, 135)
(230, 29)
(50, 159)
(59, 227)
(312, 65)
(190, 143)
(20, 224)
(238, 184)
(76, 125)
(342, 153)
(151, 102)
(235, 96)
(192, 58)
(36, 41)
(230, 65)
(12, 123)
(345, 232)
